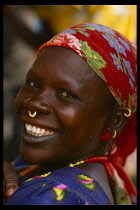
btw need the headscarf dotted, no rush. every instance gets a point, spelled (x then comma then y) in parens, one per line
(113, 57)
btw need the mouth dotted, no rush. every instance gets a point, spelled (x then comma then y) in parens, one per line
(32, 134)
(37, 131)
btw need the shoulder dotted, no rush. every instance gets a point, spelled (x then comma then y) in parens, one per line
(66, 186)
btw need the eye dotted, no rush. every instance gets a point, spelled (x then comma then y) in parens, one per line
(33, 84)
(66, 94)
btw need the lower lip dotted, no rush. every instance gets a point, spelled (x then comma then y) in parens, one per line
(35, 140)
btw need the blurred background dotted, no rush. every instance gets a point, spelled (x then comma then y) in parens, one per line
(26, 27)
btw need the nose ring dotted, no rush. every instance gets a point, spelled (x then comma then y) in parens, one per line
(32, 115)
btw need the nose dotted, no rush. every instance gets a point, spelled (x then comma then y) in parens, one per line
(37, 103)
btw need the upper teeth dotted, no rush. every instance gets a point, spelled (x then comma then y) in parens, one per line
(36, 131)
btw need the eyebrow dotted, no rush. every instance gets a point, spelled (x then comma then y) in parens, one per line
(31, 72)
(70, 82)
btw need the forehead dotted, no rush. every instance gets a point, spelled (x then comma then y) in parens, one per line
(64, 60)
(64, 63)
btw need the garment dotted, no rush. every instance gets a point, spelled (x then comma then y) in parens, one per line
(67, 186)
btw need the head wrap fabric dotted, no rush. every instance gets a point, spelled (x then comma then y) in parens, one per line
(113, 57)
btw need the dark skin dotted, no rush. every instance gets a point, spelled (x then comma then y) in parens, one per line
(74, 103)
(60, 91)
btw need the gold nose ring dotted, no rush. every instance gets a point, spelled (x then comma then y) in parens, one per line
(32, 115)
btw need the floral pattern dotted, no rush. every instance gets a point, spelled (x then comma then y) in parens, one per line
(60, 191)
(87, 182)
(109, 52)
(130, 72)
(70, 40)
(102, 28)
(114, 43)
(69, 186)
(93, 58)
(117, 61)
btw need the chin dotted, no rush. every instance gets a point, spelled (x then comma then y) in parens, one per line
(27, 159)
(28, 155)
(36, 155)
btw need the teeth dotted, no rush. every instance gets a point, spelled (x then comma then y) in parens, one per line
(47, 132)
(42, 131)
(36, 131)
(29, 128)
(33, 129)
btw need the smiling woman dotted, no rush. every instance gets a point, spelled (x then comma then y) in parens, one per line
(64, 108)
(75, 109)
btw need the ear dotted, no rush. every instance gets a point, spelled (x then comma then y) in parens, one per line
(119, 119)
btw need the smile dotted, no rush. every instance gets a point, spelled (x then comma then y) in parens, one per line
(37, 131)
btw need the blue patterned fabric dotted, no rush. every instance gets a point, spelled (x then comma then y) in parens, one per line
(66, 186)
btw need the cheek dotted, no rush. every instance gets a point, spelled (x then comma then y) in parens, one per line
(76, 123)
(82, 122)
(19, 100)
(69, 116)
(72, 117)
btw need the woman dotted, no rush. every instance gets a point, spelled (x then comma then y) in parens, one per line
(78, 121)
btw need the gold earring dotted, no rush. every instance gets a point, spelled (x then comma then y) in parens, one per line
(114, 135)
(128, 115)
(32, 115)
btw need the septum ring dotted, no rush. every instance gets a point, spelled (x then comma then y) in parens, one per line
(32, 115)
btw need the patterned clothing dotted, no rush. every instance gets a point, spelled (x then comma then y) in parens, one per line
(104, 50)
(67, 186)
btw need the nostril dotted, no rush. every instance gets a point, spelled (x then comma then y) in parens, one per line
(26, 102)
(36, 104)
(29, 105)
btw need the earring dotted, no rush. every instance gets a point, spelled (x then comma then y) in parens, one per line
(106, 136)
(128, 115)
(114, 135)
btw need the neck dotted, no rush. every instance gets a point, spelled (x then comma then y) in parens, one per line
(45, 168)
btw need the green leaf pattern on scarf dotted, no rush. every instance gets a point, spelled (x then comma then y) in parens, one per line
(93, 58)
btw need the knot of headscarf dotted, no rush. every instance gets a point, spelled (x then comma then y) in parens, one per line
(113, 57)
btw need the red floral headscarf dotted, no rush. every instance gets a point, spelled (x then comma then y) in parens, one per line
(113, 57)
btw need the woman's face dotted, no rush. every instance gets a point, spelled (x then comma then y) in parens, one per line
(68, 98)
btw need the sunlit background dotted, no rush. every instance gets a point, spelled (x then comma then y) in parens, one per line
(26, 27)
